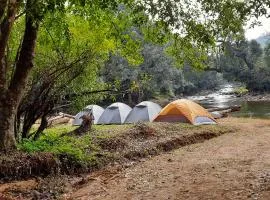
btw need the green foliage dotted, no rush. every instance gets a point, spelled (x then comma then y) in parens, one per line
(156, 76)
(240, 91)
(267, 55)
(72, 47)
(246, 62)
(199, 80)
(81, 149)
(84, 150)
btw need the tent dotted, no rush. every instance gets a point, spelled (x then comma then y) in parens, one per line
(116, 113)
(184, 110)
(95, 109)
(144, 111)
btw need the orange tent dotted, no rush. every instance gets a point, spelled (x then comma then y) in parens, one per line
(184, 110)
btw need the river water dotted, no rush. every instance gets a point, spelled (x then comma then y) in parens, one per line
(223, 98)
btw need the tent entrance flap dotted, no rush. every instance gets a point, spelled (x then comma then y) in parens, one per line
(172, 118)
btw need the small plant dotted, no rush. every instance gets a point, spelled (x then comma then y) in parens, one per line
(240, 91)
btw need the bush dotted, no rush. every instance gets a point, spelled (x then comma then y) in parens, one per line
(240, 91)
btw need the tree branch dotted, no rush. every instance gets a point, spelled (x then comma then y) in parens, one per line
(19, 15)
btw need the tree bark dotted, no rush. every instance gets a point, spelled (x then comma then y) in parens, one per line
(7, 105)
(25, 61)
(11, 97)
(5, 28)
(7, 119)
(42, 127)
(85, 127)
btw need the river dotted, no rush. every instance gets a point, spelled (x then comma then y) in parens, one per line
(224, 98)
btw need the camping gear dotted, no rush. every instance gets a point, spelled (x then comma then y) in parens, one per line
(187, 111)
(116, 113)
(96, 111)
(144, 111)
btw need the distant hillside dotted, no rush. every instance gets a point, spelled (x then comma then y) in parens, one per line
(264, 40)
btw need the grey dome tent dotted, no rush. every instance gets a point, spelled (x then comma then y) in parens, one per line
(144, 111)
(116, 113)
(95, 109)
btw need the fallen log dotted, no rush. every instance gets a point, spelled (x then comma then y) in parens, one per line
(232, 108)
(58, 120)
(62, 118)
(67, 115)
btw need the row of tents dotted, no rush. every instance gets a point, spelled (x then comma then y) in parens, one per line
(181, 110)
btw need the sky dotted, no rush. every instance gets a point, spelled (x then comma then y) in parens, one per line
(257, 31)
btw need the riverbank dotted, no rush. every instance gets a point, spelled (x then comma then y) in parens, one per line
(191, 168)
(118, 146)
(255, 97)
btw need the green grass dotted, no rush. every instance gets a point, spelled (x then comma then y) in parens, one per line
(80, 149)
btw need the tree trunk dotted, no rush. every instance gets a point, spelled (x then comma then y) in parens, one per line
(42, 127)
(7, 119)
(11, 97)
(85, 127)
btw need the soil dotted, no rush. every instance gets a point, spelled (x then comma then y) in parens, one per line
(231, 166)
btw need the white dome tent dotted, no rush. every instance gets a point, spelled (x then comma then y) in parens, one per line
(144, 111)
(116, 113)
(95, 109)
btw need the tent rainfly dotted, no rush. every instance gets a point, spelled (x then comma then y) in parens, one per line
(95, 109)
(144, 111)
(184, 110)
(116, 113)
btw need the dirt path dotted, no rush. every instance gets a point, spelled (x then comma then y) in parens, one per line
(232, 166)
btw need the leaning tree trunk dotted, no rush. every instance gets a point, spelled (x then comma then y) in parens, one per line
(7, 113)
(10, 97)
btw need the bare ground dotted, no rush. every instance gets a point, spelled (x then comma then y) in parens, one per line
(235, 165)
(232, 166)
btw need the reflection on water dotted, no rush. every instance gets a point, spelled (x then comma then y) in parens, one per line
(223, 98)
(254, 110)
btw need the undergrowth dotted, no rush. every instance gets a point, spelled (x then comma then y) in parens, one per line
(84, 149)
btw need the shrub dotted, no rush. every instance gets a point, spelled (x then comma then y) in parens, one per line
(240, 91)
